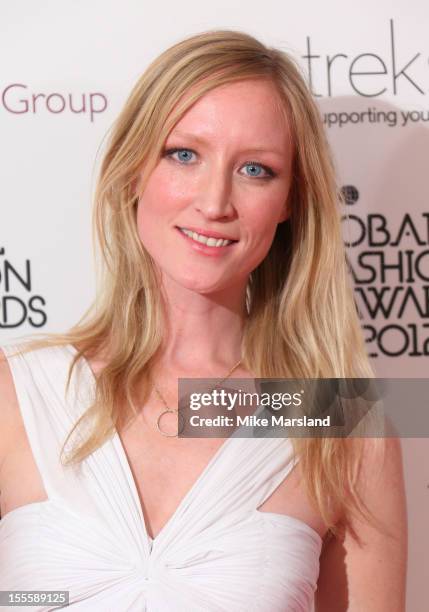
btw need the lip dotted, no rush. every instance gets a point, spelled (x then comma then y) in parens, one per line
(205, 232)
(203, 249)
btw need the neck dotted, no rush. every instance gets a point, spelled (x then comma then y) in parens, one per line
(204, 331)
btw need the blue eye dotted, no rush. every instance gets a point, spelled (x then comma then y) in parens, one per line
(254, 169)
(257, 170)
(183, 155)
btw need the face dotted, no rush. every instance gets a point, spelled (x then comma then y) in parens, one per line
(211, 206)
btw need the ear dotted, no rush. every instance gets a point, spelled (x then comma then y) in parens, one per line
(287, 206)
(285, 214)
(135, 184)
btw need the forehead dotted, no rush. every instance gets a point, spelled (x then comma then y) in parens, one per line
(249, 112)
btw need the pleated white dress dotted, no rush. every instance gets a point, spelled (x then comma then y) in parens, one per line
(216, 553)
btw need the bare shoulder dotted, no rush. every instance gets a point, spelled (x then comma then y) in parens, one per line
(9, 410)
(370, 574)
(381, 486)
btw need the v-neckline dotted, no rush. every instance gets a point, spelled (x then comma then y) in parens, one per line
(118, 444)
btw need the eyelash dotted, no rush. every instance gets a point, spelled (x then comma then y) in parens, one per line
(269, 172)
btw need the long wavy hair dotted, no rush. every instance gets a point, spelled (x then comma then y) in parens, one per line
(302, 320)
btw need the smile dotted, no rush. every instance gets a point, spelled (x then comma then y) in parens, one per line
(207, 240)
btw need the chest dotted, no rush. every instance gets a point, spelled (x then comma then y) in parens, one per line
(164, 470)
(260, 565)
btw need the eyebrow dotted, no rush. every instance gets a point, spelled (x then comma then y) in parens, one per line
(201, 140)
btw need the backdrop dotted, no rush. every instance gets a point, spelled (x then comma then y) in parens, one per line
(67, 68)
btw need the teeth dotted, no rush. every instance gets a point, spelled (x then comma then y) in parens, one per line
(211, 242)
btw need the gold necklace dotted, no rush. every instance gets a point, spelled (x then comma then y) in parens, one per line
(176, 410)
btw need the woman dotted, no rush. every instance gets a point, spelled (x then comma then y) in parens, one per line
(217, 215)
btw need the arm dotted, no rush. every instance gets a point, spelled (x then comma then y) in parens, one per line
(370, 576)
(9, 409)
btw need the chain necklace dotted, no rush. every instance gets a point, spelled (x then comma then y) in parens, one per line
(176, 410)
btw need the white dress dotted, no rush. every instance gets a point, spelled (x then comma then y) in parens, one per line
(216, 553)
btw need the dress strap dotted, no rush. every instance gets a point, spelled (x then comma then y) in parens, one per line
(96, 490)
(48, 414)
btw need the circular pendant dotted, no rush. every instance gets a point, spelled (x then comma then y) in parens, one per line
(180, 423)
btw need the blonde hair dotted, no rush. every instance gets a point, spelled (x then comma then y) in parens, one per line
(302, 320)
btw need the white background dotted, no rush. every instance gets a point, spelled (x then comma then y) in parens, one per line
(48, 160)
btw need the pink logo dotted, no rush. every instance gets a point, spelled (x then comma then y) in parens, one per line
(18, 100)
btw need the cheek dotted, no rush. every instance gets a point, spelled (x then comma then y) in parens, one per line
(265, 214)
(152, 220)
(162, 197)
(261, 220)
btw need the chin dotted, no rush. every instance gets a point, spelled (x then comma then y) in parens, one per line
(198, 284)
(201, 287)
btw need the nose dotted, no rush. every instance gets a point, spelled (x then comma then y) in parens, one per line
(214, 199)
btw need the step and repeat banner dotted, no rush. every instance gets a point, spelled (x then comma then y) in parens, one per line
(68, 67)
